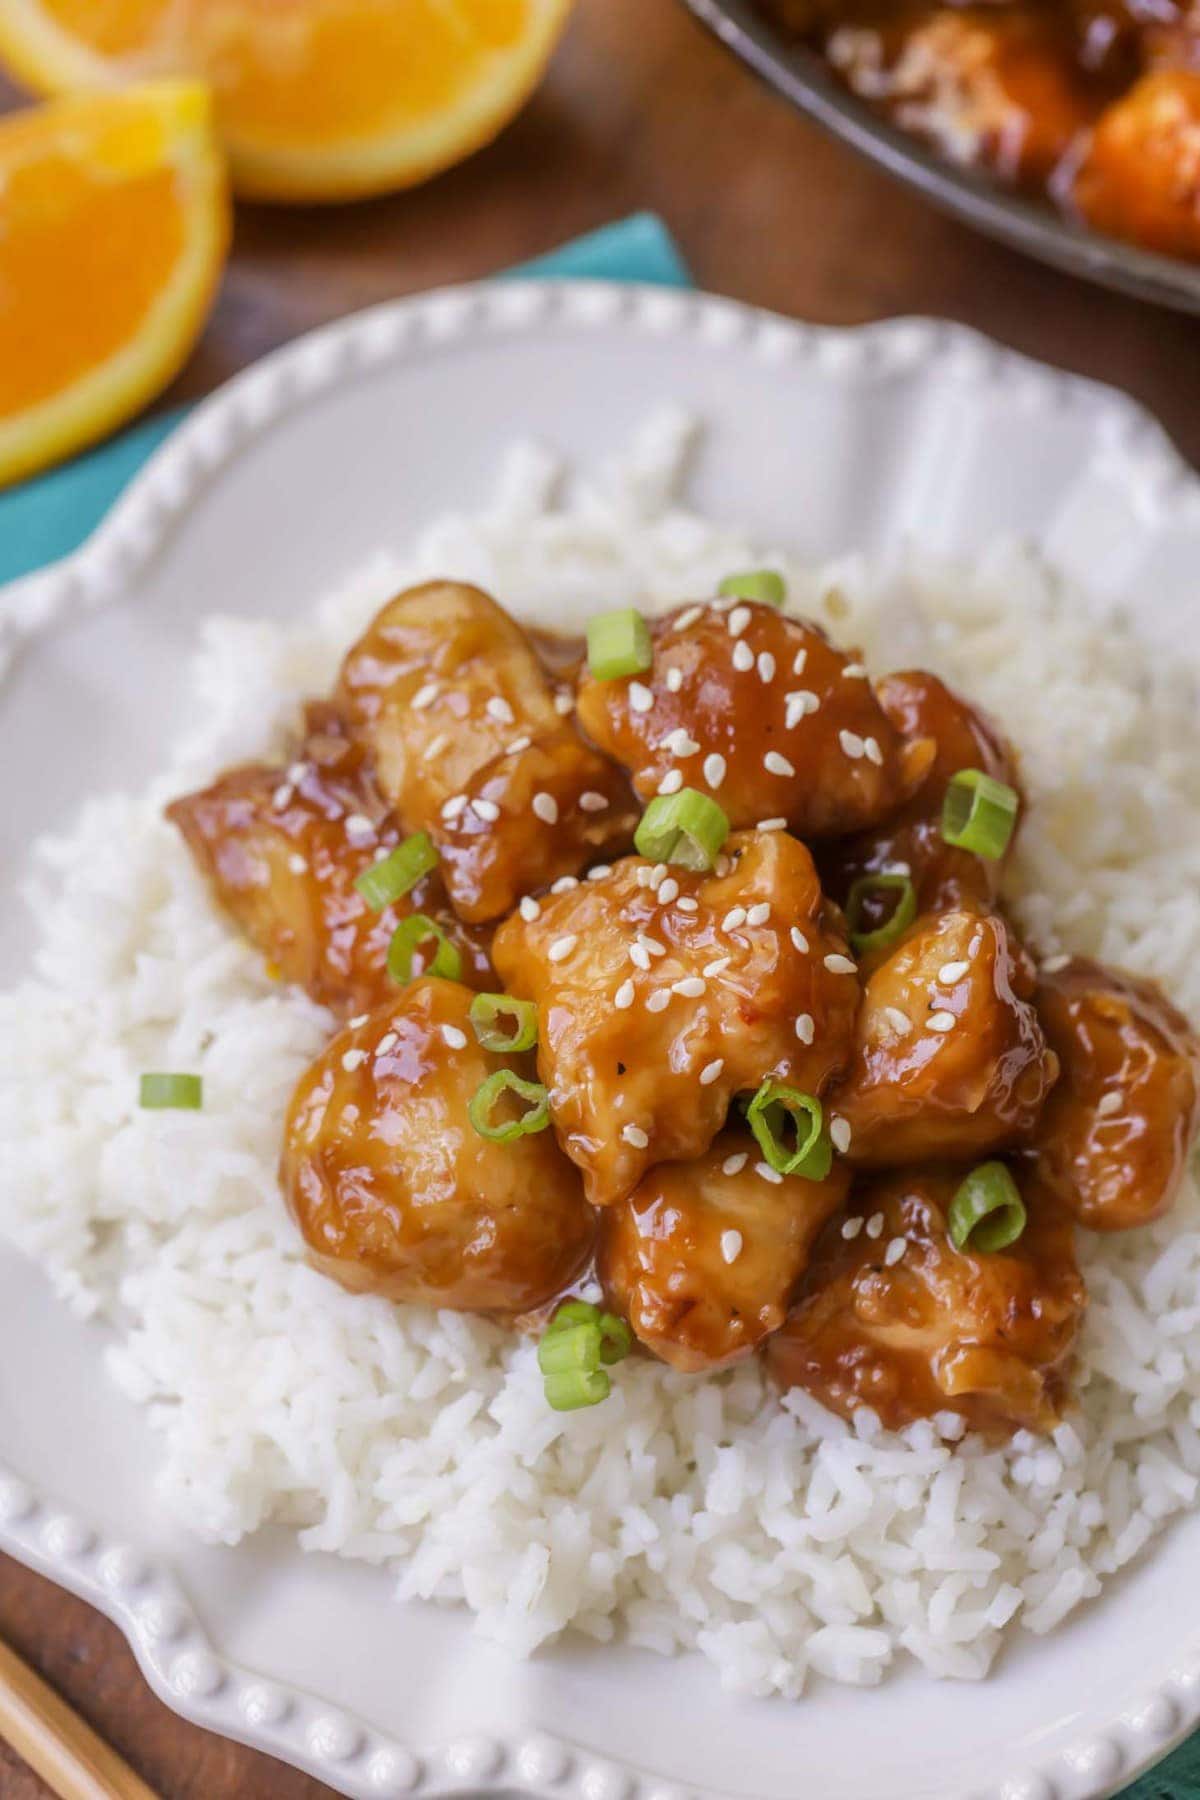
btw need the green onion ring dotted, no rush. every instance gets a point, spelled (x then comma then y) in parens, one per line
(902, 915)
(813, 1156)
(396, 874)
(568, 1391)
(487, 1014)
(687, 829)
(618, 643)
(410, 932)
(763, 585)
(979, 813)
(504, 1081)
(987, 1212)
(159, 1092)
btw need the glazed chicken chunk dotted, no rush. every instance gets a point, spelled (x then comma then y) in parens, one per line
(1140, 178)
(395, 1191)
(661, 994)
(703, 1257)
(281, 850)
(469, 745)
(761, 712)
(949, 1058)
(1113, 1140)
(893, 1317)
(911, 842)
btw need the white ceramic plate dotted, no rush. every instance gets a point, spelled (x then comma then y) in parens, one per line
(271, 491)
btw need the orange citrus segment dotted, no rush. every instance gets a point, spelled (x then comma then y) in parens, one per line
(114, 221)
(316, 99)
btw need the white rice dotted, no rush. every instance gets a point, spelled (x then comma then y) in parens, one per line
(685, 1512)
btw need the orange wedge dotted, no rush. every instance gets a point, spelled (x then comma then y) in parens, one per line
(114, 222)
(316, 99)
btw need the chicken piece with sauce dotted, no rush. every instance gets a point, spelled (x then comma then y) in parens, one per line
(282, 850)
(911, 842)
(950, 1059)
(703, 1257)
(662, 994)
(1113, 1138)
(763, 713)
(892, 1316)
(1140, 176)
(471, 744)
(397, 1193)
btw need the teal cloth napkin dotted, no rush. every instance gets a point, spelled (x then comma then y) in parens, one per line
(48, 517)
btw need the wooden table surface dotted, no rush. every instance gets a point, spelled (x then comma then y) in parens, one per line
(640, 109)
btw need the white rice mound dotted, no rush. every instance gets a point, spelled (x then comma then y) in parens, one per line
(687, 1512)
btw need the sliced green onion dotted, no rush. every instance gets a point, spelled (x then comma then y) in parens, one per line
(158, 1092)
(385, 881)
(569, 1347)
(755, 584)
(618, 643)
(866, 888)
(488, 1015)
(987, 1212)
(574, 1312)
(504, 1081)
(979, 813)
(768, 1115)
(568, 1391)
(616, 1338)
(687, 828)
(418, 929)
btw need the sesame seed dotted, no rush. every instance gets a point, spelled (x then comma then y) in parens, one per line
(352, 1059)
(724, 865)
(851, 1228)
(733, 1165)
(499, 709)
(623, 998)
(731, 1245)
(658, 1001)
(671, 782)
(805, 1028)
(599, 871)
(758, 914)
(840, 965)
(674, 680)
(387, 1042)
(875, 1225)
(640, 698)
(679, 743)
(283, 795)
(686, 903)
(657, 874)
(714, 770)
(633, 1134)
(733, 918)
(563, 704)
(562, 947)
(528, 908)
(453, 806)
(456, 1039)
(798, 662)
(775, 764)
(799, 705)
(296, 773)
(771, 825)
(1108, 1104)
(1053, 964)
(839, 1134)
(854, 671)
(359, 826)
(687, 617)
(424, 696)
(873, 752)
(952, 971)
(799, 939)
(359, 1019)
(434, 747)
(644, 876)
(941, 1021)
(487, 809)
(768, 1173)
(900, 1023)
(738, 620)
(691, 987)
(743, 657)
(895, 1250)
(852, 744)
(651, 944)
(545, 807)
(517, 746)
(297, 864)
(564, 884)
(711, 1071)
(592, 802)
(766, 666)
(668, 890)
(639, 956)
(716, 967)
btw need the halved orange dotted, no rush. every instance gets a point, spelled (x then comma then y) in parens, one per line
(316, 99)
(114, 222)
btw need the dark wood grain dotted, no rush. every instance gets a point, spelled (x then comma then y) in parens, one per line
(641, 109)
